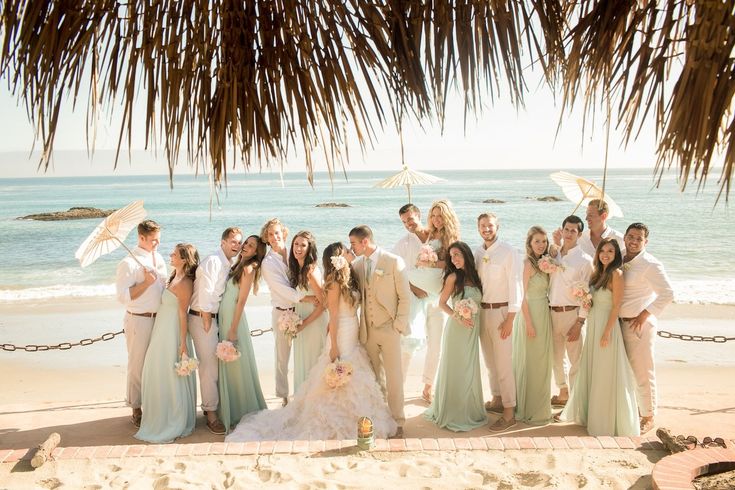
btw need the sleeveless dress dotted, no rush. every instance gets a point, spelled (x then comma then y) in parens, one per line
(309, 343)
(533, 357)
(430, 279)
(169, 400)
(320, 412)
(239, 385)
(603, 395)
(458, 403)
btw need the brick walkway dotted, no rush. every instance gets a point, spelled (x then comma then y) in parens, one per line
(340, 447)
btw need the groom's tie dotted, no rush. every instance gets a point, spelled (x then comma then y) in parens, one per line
(367, 270)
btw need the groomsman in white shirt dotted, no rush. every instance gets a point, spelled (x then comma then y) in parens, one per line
(597, 229)
(647, 292)
(283, 296)
(139, 286)
(499, 267)
(209, 285)
(567, 318)
(424, 307)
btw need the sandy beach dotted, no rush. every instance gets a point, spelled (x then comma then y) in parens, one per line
(79, 394)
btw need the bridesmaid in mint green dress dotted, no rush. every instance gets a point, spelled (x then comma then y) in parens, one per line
(532, 340)
(239, 385)
(304, 276)
(458, 403)
(169, 400)
(603, 395)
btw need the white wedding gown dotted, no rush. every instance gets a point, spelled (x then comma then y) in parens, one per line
(320, 412)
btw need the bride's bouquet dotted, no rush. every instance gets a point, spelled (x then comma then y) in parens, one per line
(581, 292)
(424, 275)
(227, 352)
(288, 323)
(337, 373)
(426, 255)
(465, 309)
(549, 265)
(186, 365)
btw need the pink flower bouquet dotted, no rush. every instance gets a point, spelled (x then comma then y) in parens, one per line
(337, 373)
(227, 352)
(288, 323)
(549, 265)
(427, 255)
(581, 292)
(465, 309)
(186, 365)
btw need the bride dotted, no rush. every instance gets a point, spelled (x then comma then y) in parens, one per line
(318, 411)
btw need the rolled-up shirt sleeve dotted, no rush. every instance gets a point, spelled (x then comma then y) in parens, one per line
(659, 281)
(124, 280)
(278, 283)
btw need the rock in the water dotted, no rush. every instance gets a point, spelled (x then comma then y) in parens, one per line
(493, 201)
(546, 199)
(72, 213)
(333, 205)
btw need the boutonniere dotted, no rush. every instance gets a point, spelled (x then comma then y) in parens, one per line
(379, 272)
(626, 267)
(485, 259)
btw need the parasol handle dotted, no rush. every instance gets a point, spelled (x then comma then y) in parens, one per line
(130, 252)
(584, 196)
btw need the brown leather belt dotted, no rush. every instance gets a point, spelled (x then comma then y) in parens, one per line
(563, 308)
(147, 315)
(200, 314)
(493, 306)
(285, 309)
(628, 319)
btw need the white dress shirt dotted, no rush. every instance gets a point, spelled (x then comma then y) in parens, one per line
(647, 287)
(585, 242)
(211, 278)
(129, 273)
(408, 249)
(275, 275)
(499, 268)
(577, 266)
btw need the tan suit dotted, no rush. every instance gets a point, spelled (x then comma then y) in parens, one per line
(384, 315)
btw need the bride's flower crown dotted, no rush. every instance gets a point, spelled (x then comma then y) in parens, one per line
(339, 262)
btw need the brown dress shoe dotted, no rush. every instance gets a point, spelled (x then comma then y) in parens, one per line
(398, 434)
(136, 417)
(215, 426)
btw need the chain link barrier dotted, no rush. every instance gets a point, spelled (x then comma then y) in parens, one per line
(717, 339)
(257, 332)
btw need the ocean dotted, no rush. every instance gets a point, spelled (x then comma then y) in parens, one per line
(689, 234)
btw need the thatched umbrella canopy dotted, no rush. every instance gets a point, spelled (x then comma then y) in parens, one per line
(250, 80)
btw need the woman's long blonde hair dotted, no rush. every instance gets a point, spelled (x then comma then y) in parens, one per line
(450, 232)
(535, 230)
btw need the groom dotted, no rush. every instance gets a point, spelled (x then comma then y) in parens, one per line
(386, 302)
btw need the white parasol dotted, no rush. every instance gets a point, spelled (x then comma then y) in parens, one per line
(111, 233)
(581, 191)
(408, 178)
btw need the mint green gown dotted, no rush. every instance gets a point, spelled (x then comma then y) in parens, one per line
(239, 385)
(458, 403)
(309, 343)
(169, 400)
(603, 395)
(533, 357)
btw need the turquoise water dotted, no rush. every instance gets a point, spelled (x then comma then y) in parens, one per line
(688, 234)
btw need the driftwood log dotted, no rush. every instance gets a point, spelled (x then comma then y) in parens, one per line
(670, 442)
(45, 449)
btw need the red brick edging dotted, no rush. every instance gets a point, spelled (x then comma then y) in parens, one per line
(677, 471)
(340, 447)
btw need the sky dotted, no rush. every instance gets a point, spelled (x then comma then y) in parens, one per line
(500, 137)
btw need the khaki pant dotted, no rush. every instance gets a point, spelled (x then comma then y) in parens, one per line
(205, 344)
(283, 355)
(639, 347)
(383, 347)
(498, 355)
(566, 354)
(137, 337)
